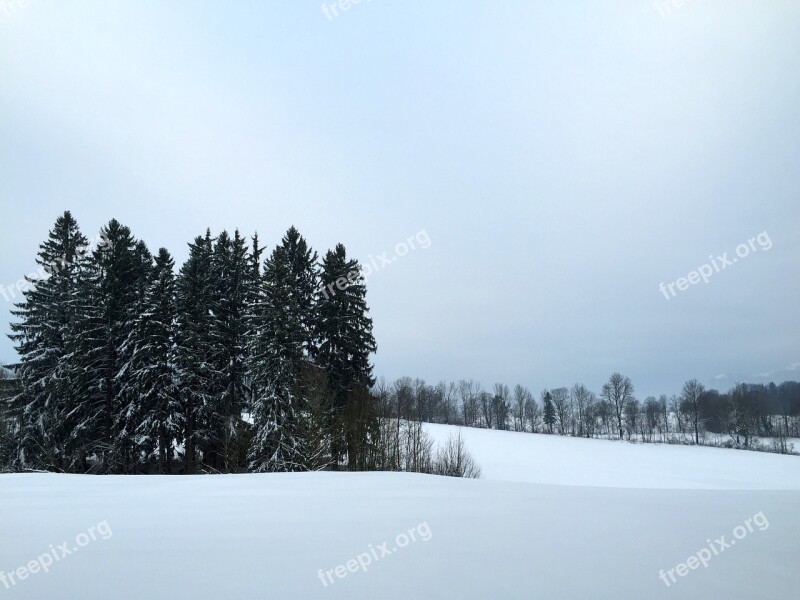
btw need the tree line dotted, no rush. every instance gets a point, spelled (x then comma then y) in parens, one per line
(236, 362)
(738, 417)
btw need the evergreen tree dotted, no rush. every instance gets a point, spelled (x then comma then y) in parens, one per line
(131, 411)
(230, 291)
(150, 385)
(252, 308)
(302, 261)
(143, 271)
(344, 332)
(85, 342)
(344, 328)
(104, 315)
(276, 364)
(196, 371)
(39, 339)
(549, 412)
(315, 420)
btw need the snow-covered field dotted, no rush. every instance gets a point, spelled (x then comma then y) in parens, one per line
(554, 459)
(552, 518)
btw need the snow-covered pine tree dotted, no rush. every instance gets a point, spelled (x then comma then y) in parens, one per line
(230, 271)
(104, 314)
(315, 419)
(143, 270)
(252, 308)
(344, 328)
(81, 367)
(131, 412)
(276, 365)
(549, 412)
(196, 372)
(304, 289)
(38, 336)
(150, 380)
(344, 333)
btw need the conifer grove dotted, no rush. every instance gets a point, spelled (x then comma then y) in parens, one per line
(241, 360)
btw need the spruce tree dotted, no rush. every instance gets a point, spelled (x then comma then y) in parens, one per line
(302, 261)
(105, 314)
(85, 343)
(150, 383)
(131, 411)
(252, 307)
(230, 291)
(344, 334)
(196, 370)
(39, 337)
(315, 451)
(344, 328)
(549, 412)
(276, 363)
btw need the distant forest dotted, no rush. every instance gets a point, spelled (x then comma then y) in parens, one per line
(737, 418)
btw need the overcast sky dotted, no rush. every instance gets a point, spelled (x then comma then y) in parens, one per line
(563, 159)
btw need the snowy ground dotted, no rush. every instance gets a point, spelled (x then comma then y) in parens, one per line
(554, 459)
(534, 527)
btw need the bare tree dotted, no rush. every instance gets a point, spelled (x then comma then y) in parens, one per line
(675, 408)
(618, 391)
(664, 408)
(454, 460)
(468, 392)
(501, 405)
(584, 402)
(487, 408)
(631, 416)
(603, 411)
(691, 403)
(652, 418)
(449, 393)
(739, 420)
(561, 402)
(533, 413)
(520, 396)
(422, 401)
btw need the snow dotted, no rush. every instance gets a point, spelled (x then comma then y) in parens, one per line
(533, 527)
(562, 460)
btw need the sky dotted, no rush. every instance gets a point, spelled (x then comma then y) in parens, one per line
(524, 176)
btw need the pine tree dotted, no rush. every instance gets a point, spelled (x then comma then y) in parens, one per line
(196, 371)
(39, 338)
(549, 412)
(344, 332)
(276, 364)
(150, 385)
(104, 311)
(302, 261)
(85, 344)
(131, 411)
(230, 271)
(343, 326)
(252, 308)
(315, 420)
